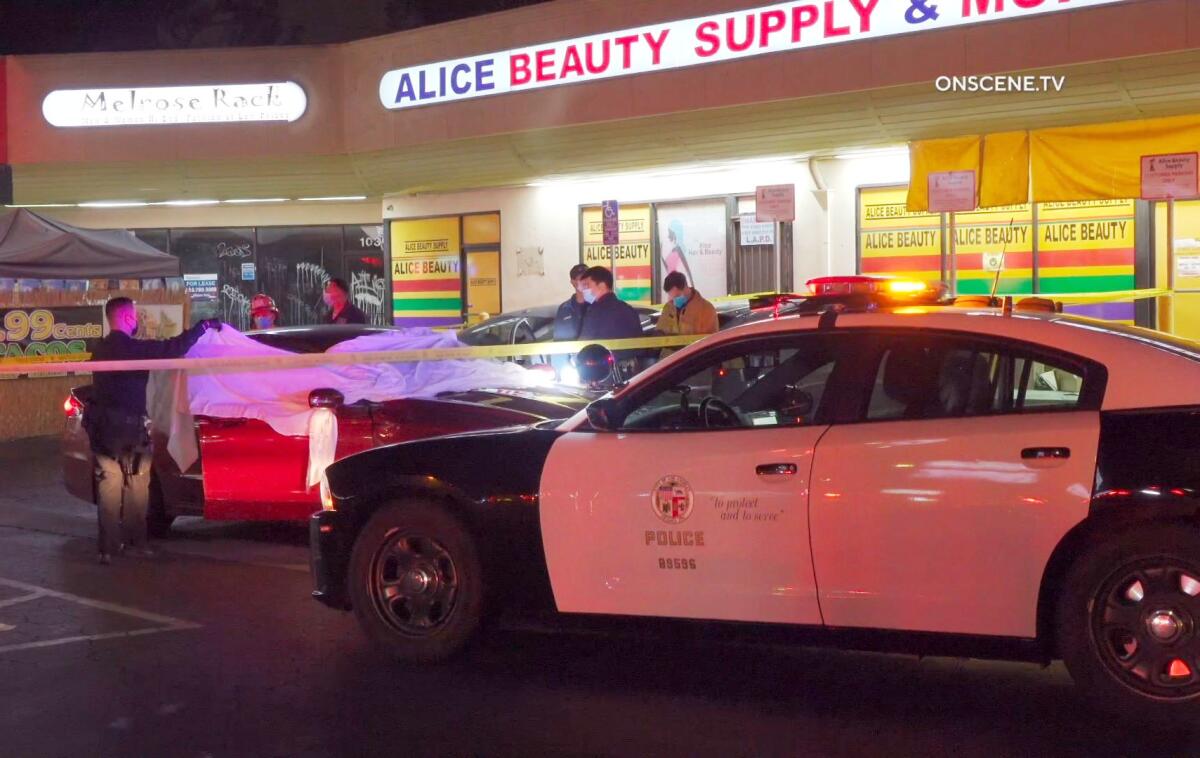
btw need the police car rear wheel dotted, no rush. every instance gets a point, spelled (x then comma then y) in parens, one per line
(1129, 621)
(415, 582)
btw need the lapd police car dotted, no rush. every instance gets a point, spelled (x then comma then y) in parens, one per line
(987, 481)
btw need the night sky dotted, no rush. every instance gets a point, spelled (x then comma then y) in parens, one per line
(66, 26)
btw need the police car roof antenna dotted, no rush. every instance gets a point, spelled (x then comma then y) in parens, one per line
(829, 316)
(1003, 251)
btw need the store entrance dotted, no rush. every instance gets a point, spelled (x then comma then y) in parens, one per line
(1179, 314)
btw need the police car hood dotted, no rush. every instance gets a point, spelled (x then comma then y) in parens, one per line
(480, 466)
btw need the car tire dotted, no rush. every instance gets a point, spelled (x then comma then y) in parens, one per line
(1128, 622)
(415, 582)
(158, 520)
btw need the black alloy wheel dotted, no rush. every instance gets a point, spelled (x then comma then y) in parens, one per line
(415, 581)
(1128, 625)
(1144, 625)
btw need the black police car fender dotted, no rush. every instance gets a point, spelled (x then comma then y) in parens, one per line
(489, 479)
(1147, 471)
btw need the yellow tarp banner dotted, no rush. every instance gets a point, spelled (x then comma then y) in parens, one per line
(1000, 162)
(1091, 162)
(1104, 161)
(1004, 170)
(936, 155)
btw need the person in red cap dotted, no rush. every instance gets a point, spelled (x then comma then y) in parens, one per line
(263, 311)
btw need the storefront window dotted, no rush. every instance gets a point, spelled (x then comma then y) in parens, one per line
(1051, 249)
(294, 265)
(219, 272)
(362, 268)
(160, 239)
(761, 259)
(427, 271)
(893, 241)
(629, 259)
(693, 238)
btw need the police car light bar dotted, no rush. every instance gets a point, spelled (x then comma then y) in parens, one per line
(852, 293)
(876, 285)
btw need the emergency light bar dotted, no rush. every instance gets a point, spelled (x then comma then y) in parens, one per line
(853, 293)
(905, 290)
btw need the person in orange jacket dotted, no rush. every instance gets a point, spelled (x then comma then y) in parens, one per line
(686, 311)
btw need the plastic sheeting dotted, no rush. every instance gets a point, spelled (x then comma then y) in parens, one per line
(280, 397)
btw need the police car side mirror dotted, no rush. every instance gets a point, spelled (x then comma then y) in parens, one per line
(325, 397)
(602, 414)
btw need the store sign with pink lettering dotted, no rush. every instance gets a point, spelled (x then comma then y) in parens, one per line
(693, 42)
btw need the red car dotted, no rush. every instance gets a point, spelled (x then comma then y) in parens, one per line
(247, 471)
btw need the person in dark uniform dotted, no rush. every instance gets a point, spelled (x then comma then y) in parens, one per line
(608, 317)
(569, 318)
(116, 422)
(341, 310)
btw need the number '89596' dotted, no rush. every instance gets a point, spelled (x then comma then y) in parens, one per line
(682, 564)
(20, 325)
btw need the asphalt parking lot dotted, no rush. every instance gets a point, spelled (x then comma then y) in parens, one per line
(214, 648)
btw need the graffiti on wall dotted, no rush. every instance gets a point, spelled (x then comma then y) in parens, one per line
(369, 293)
(235, 307)
(305, 303)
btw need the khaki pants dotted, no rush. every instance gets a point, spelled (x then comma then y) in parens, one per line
(122, 495)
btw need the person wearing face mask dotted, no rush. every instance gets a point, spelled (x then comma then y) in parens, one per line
(608, 317)
(569, 318)
(116, 424)
(341, 310)
(685, 311)
(263, 312)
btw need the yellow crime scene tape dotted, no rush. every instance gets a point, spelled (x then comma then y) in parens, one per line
(306, 360)
(62, 364)
(1084, 298)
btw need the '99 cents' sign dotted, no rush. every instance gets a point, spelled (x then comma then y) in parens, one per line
(28, 335)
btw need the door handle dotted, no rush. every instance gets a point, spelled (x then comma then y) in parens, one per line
(1045, 453)
(775, 469)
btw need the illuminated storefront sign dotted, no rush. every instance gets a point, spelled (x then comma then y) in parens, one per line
(144, 106)
(694, 42)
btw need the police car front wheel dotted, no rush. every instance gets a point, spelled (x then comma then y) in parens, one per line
(1129, 621)
(415, 582)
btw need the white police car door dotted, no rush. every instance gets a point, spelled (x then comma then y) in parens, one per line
(940, 509)
(696, 507)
